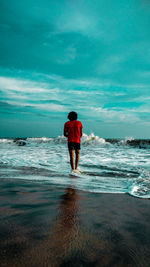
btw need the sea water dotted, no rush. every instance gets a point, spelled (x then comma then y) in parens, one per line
(106, 165)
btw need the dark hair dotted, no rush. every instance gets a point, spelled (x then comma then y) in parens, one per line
(72, 116)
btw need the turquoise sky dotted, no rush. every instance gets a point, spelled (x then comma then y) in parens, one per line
(91, 56)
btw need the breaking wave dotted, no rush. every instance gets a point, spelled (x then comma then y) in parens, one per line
(91, 139)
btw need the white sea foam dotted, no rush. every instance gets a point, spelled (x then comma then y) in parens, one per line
(141, 186)
(92, 139)
(86, 139)
(39, 139)
(59, 139)
(125, 141)
(5, 140)
(104, 167)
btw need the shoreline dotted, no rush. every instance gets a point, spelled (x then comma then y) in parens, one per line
(46, 226)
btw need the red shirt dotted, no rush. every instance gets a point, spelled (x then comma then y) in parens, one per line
(74, 130)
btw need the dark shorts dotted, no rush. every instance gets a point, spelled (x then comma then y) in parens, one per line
(73, 146)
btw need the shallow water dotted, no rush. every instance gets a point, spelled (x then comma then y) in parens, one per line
(109, 166)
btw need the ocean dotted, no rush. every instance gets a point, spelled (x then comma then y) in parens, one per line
(106, 165)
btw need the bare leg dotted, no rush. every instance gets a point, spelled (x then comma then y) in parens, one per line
(77, 158)
(71, 152)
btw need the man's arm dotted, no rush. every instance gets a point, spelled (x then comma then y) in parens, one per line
(81, 131)
(65, 131)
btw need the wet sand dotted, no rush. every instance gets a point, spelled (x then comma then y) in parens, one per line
(41, 225)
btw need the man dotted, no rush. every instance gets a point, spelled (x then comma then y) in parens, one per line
(73, 130)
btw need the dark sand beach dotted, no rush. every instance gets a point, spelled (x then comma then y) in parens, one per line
(41, 225)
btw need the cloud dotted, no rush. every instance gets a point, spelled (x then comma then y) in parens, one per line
(4, 104)
(20, 85)
(68, 56)
(46, 107)
(77, 54)
(83, 36)
(110, 64)
(23, 93)
(51, 94)
(75, 22)
(115, 115)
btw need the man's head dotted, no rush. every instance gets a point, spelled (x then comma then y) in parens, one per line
(72, 116)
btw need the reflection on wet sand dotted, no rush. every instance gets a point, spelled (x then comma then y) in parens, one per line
(69, 208)
(65, 232)
(50, 227)
(67, 244)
